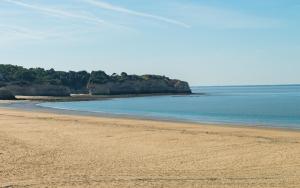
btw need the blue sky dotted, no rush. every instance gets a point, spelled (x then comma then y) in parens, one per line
(213, 42)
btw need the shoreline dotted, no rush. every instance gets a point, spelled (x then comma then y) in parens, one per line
(44, 149)
(32, 105)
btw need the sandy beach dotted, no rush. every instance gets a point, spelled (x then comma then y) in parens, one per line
(40, 149)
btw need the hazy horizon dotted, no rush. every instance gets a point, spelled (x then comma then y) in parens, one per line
(207, 43)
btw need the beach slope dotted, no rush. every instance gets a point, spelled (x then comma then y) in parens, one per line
(50, 150)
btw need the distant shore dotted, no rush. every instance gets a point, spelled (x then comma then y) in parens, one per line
(88, 97)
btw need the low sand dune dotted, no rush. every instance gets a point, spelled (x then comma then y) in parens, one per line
(48, 150)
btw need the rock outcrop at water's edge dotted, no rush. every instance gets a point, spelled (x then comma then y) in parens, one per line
(40, 82)
(39, 90)
(6, 95)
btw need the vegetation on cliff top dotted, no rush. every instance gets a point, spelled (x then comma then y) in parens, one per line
(17, 75)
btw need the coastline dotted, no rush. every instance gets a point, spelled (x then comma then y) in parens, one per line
(41, 149)
(32, 104)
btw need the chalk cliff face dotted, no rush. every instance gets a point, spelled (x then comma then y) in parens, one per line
(6, 95)
(38, 90)
(147, 84)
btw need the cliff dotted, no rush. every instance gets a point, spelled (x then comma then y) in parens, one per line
(6, 95)
(38, 90)
(41, 82)
(131, 84)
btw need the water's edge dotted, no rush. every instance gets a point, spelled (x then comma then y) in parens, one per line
(251, 106)
(36, 107)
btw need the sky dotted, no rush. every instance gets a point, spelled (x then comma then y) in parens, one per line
(204, 42)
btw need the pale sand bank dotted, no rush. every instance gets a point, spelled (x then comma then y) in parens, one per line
(50, 150)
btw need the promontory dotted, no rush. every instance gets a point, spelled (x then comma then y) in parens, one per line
(17, 80)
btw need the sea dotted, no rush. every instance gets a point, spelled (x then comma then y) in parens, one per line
(270, 106)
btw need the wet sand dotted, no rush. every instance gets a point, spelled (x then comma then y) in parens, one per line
(43, 149)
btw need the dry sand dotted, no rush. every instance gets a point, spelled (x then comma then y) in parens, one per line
(48, 150)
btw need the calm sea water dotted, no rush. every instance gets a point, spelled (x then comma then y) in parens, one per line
(276, 106)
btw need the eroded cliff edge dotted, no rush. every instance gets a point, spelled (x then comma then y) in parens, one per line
(132, 84)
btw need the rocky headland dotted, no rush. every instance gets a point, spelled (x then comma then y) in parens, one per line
(17, 80)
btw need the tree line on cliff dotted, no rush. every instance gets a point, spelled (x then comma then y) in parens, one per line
(17, 75)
